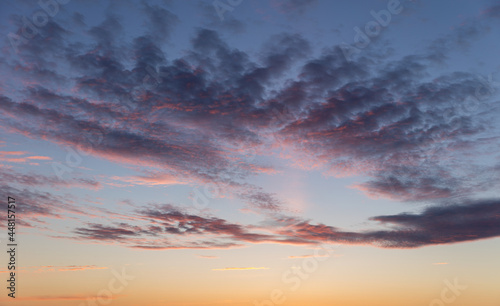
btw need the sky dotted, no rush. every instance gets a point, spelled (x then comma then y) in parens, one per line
(237, 152)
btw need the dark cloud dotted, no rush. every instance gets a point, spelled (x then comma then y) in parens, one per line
(37, 205)
(460, 37)
(179, 223)
(260, 199)
(493, 11)
(469, 221)
(106, 33)
(196, 116)
(78, 19)
(160, 226)
(228, 24)
(188, 114)
(35, 180)
(197, 141)
(100, 232)
(293, 6)
(443, 224)
(388, 129)
(167, 222)
(160, 21)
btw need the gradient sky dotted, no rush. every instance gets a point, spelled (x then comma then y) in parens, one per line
(238, 152)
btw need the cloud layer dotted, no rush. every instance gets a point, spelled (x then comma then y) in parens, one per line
(195, 118)
(162, 226)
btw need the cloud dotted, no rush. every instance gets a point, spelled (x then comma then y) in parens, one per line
(13, 152)
(462, 35)
(440, 263)
(42, 269)
(18, 159)
(176, 222)
(45, 269)
(81, 268)
(208, 256)
(293, 6)
(195, 117)
(36, 204)
(101, 232)
(36, 180)
(160, 21)
(213, 21)
(39, 157)
(436, 225)
(443, 224)
(151, 180)
(159, 227)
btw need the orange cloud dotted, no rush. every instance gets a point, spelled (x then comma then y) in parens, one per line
(17, 271)
(39, 157)
(13, 152)
(66, 268)
(81, 268)
(207, 256)
(13, 160)
(7, 157)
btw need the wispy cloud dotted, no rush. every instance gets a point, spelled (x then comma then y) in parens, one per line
(435, 225)
(76, 268)
(151, 180)
(39, 157)
(207, 256)
(6, 156)
(45, 269)
(13, 153)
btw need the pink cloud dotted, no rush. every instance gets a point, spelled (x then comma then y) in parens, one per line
(13, 152)
(40, 157)
(152, 180)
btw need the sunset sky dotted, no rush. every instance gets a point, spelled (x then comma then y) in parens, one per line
(251, 152)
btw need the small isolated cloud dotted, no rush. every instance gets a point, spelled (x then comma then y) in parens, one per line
(440, 263)
(43, 269)
(151, 180)
(207, 256)
(80, 268)
(16, 157)
(244, 268)
(39, 157)
(13, 160)
(17, 271)
(12, 153)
